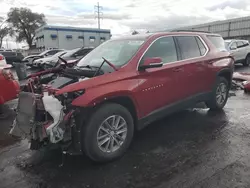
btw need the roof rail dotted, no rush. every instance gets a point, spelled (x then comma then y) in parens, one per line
(183, 30)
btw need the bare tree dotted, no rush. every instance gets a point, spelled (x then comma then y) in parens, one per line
(3, 33)
(23, 23)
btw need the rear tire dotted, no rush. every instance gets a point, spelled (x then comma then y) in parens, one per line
(219, 95)
(247, 61)
(116, 142)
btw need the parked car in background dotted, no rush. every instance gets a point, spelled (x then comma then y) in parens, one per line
(122, 86)
(73, 55)
(240, 50)
(10, 85)
(77, 53)
(12, 57)
(30, 59)
(40, 62)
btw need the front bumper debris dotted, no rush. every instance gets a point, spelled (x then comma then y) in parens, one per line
(55, 109)
(26, 110)
(28, 125)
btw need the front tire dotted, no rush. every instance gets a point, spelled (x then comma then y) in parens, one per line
(108, 133)
(219, 95)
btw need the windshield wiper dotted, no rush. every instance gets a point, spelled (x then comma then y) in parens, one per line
(110, 64)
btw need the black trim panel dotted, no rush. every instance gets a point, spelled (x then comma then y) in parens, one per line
(169, 109)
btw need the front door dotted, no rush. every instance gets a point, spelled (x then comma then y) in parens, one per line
(157, 86)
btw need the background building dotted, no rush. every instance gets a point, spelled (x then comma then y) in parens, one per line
(232, 28)
(69, 37)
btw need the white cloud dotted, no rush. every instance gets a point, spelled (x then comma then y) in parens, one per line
(122, 17)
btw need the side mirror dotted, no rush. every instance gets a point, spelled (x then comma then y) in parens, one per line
(233, 48)
(152, 62)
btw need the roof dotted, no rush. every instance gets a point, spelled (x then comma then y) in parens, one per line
(72, 29)
(159, 34)
(134, 37)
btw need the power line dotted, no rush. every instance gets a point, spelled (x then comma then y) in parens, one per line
(98, 11)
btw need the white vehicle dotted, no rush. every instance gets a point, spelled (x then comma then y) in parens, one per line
(40, 62)
(30, 59)
(240, 50)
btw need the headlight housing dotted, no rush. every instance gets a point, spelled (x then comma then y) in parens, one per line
(67, 98)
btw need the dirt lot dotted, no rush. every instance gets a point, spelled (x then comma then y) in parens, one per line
(194, 148)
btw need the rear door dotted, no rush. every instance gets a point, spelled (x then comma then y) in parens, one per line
(192, 77)
(157, 87)
(235, 51)
(241, 50)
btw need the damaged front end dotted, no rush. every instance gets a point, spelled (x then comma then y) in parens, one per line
(44, 120)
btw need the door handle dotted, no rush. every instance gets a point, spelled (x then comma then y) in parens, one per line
(177, 69)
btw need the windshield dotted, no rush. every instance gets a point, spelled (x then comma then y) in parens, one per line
(58, 54)
(71, 52)
(43, 53)
(118, 52)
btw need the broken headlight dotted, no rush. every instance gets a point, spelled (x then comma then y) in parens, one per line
(67, 98)
(73, 94)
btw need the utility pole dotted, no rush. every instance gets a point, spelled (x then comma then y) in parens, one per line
(98, 11)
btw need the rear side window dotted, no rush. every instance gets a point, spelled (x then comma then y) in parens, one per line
(240, 44)
(163, 48)
(201, 46)
(245, 43)
(218, 42)
(188, 46)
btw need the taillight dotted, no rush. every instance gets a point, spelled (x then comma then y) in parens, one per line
(8, 74)
(1, 57)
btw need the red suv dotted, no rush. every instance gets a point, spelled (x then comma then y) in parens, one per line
(142, 78)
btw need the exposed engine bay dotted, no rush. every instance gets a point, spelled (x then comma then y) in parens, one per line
(45, 118)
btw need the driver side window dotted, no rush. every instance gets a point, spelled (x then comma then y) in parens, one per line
(163, 48)
(233, 45)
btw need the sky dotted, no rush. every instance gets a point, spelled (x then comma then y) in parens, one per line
(124, 16)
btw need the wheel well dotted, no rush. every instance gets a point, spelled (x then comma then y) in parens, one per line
(127, 103)
(227, 75)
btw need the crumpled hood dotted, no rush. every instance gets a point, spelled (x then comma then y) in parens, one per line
(94, 82)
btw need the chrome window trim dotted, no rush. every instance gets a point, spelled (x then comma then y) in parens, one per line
(207, 49)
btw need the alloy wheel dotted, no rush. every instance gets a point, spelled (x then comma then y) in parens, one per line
(221, 93)
(112, 133)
